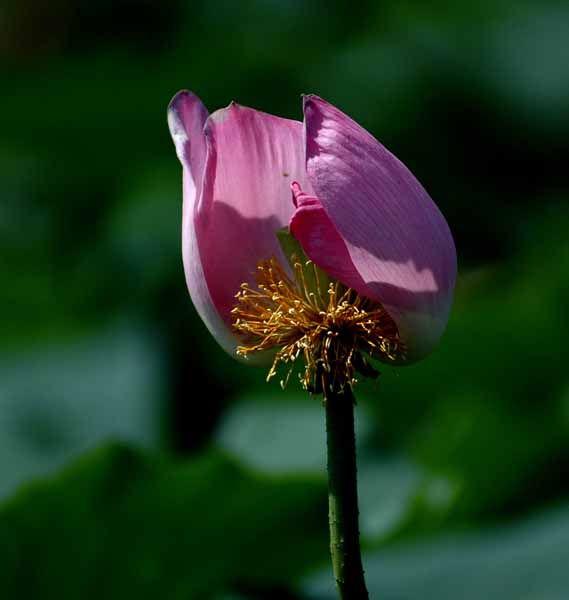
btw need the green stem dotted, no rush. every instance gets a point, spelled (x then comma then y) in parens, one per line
(343, 496)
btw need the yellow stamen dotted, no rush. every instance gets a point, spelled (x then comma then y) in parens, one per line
(332, 333)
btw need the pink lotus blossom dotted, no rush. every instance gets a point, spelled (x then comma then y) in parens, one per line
(357, 211)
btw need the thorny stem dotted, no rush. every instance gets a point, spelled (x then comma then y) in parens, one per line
(343, 496)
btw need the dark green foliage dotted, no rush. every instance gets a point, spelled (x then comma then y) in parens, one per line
(119, 523)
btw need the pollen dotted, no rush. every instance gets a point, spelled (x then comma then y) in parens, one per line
(308, 319)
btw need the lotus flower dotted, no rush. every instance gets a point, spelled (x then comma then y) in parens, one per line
(358, 213)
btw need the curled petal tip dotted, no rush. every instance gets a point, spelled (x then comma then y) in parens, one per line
(296, 191)
(181, 103)
(300, 197)
(179, 97)
(320, 240)
(186, 117)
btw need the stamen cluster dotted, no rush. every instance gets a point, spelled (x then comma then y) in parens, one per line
(332, 328)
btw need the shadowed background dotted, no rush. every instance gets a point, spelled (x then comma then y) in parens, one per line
(120, 478)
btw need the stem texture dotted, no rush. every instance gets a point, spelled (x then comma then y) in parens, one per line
(343, 496)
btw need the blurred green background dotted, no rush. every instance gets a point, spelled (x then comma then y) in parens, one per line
(119, 478)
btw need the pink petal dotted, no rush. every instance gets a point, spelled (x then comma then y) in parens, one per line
(251, 159)
(319, 238)
(399, 243)
(186, 119)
